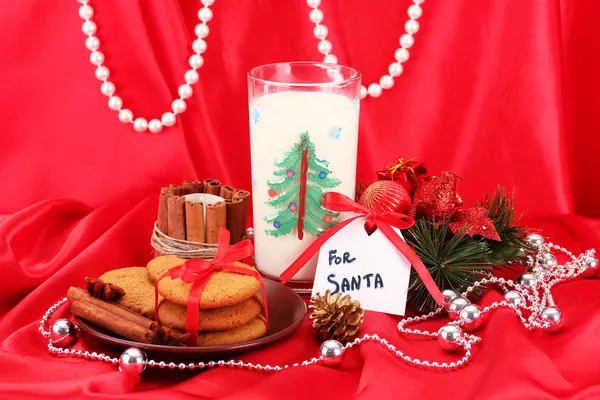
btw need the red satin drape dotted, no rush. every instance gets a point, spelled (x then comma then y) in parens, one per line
(498, 91)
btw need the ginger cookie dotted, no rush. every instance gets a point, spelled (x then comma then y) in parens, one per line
(217, 319)
(139, 290)
(245, 333)
(223, 288)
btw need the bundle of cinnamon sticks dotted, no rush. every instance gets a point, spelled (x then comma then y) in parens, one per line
(194, 221)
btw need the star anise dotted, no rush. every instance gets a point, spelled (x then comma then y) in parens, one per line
(102, 290)
(166, 336)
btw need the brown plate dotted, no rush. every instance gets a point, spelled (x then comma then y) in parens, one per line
(286, 312)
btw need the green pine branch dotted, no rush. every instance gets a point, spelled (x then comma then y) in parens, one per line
(455, 261)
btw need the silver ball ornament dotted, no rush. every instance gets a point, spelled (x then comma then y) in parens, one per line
(527, 280)
(515, 298)
(132, 361)
(548, 261)
(471, 317)
(535, 239)
(332, 353)
(592, 268)
(455, 306)
(449, 336)
(449, 295)
(554, 317)
(63, 333)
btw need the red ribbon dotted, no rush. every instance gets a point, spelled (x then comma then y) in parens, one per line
(198, 272)
(384, 222)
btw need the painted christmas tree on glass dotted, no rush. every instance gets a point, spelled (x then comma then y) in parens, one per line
(297, 193)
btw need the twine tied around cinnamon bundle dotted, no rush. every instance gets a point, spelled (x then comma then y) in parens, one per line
(169, 246)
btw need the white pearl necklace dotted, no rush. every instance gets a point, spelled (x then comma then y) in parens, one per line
(401, 55)
(196, 61)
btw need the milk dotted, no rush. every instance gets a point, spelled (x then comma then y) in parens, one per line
(276, 123)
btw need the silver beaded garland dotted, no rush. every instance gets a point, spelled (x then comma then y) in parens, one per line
(553, 316)
(535, 239)
(527, 280)
(592, 268)
(547, 261)
(455, 306)
(515, 298)
(449, 295)
(63, 333)
(471, 317)
(449, 337)
(332, 353)
(133, 361)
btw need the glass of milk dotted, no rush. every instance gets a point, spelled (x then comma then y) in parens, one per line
(303, 138)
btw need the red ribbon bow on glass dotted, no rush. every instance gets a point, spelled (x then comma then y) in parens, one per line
(385, 222)
(198, 272)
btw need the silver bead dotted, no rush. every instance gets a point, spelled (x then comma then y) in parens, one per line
(535, 239)
(515, 298)
(527, 280)
(449, 295)
(448, 337)
(63, 332)
(554, 317)
(132, 361)
(455, 306)
(548, 261)
(592, 268)
(471, 316)
(332, 352)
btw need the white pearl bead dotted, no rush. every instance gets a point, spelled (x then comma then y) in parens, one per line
(386, 82)
(102, 72)
(199, 46)
(411, 26)
(196, 61)
(155, 126)
(207, 3)
(401, 55)
(316, 16)
(92, 43)
(88, 27)
(107, 88)
(395, 69)
(115, 102)
(374, 90)
(168, 119)
(406, 41)
(324, 46)
(313, 3)
(83, 1)
(320, 31)
(191, 76)
(140, 124)
(185, 91)
(415, 11)
(363, 91)
(205, 14)
(125, 116)
(97, 57)
(86, 12)
(178, 106)
(330, 59)
(201, 30)
(418, 1)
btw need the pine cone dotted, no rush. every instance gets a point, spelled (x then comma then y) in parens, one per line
(102, 290)
(335, 317)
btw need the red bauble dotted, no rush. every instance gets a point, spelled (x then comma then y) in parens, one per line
(382, 196)
(437, 197)
(272, 193)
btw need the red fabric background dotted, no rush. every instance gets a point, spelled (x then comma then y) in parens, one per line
(500, 92)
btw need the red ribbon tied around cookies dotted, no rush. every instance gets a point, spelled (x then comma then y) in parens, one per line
(198, 272)
(385, 222)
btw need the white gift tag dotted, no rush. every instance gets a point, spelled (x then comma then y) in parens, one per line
(368, 268)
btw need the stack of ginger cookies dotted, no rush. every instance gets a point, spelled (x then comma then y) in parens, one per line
(230, 305)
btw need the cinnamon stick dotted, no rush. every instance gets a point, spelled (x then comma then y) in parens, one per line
(212, 186)
(227, 192)
(75, 294)
(163, 213)
(244, 195)
(216, 217)
(109, 321)
(176, 190)
(176, 219)
(194, 222)
(190, 187)
(166, 190)
(235, 219)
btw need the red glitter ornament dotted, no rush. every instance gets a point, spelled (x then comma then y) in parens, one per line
(437, 197)
(272, 193)
(382, 196)
(477, 221)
